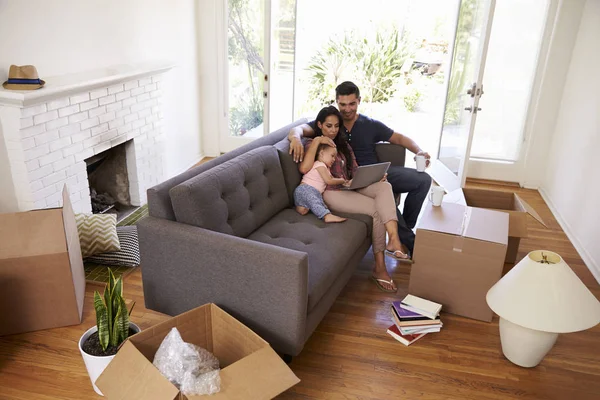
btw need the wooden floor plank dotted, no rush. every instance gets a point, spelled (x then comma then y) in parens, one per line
(350, 356)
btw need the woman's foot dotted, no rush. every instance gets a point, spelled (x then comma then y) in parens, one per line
(384, 281)
(333, 218)
(302, 210)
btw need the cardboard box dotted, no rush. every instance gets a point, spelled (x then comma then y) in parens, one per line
(458, 256)
(42, 281)
(250, 368)
(511, 203)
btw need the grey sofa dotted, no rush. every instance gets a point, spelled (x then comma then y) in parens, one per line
(226, 232)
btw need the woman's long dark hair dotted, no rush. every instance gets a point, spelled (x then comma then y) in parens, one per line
(340, 140)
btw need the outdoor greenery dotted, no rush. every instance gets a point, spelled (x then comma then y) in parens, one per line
(373, 64)
(245, 50)
(112, 317)
(462, 53)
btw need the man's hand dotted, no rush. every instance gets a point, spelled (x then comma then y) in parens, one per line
(427, 157)
(384, 179)
(296, 150)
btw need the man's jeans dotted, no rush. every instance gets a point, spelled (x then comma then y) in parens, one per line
(416, 184)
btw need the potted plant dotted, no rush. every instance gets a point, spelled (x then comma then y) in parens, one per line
(99, 344)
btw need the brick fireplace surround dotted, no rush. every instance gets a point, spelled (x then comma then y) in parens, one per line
(46, 134)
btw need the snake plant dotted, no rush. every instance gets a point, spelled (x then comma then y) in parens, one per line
(112, 317)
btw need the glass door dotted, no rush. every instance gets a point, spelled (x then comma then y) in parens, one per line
(259, 69)
(464, 90)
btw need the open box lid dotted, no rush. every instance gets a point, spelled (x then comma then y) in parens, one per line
(259, 374)
(469, 222)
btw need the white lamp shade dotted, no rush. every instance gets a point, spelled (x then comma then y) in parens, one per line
(547, 297)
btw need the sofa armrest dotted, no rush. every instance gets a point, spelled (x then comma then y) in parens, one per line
(264, 286)
(393, 153)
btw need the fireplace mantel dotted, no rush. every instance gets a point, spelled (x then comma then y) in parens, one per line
(67, 85)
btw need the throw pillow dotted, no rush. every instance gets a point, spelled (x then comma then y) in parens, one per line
(97, 233)
(128, 256)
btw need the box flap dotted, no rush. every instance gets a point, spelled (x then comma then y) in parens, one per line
(74, 249)
(475, 223)
(31, 233)
(261, 375)
(447, 218)
(130, 376)
(487, 225)
(530, 210)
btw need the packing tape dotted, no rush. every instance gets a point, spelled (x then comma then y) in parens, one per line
(459, 240)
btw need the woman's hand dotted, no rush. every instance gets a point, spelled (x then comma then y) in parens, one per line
(326, 140)
(347, 183)
(296, 150)
(384, 179)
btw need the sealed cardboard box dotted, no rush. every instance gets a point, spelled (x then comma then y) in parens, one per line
(458, 256)
(42, 281)
(250, 368)
(508, 202)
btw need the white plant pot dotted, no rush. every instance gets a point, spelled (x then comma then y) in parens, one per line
(95, 364)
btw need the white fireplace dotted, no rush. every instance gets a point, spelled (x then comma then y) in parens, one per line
(47, 134)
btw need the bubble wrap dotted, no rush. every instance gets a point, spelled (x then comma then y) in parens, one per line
(191, 368)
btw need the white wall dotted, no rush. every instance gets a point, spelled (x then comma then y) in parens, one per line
(571, 184)
(70, 36)
(562, 34)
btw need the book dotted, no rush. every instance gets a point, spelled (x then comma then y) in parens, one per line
(421, 306)
(405, 314)
(426, 321)
(418, 329)
(406, 340)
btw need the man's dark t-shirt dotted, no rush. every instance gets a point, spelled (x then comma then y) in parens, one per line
(363, 136)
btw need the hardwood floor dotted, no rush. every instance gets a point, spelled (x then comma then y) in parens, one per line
(350, 356)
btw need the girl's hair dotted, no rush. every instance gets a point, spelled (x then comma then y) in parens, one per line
(340, 140)
(321, 147)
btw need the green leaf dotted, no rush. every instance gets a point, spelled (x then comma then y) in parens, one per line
(101, 321)
(121, 326)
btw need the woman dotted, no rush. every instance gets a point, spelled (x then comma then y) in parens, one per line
(376, 200)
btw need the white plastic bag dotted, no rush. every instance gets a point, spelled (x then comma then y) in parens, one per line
(191, 368)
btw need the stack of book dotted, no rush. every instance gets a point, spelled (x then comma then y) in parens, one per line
(413, 318)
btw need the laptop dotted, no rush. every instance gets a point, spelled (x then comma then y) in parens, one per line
(368, 174)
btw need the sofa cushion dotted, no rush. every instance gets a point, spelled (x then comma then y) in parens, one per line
(235, 197)
(329, 246)
(291, 174)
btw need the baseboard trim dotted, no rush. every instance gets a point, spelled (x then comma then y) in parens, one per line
(590, 263)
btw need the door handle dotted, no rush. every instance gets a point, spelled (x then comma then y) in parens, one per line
(470, 109)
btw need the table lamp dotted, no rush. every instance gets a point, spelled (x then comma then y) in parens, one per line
(536, 300)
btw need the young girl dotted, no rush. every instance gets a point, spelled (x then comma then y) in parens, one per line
(308, 196)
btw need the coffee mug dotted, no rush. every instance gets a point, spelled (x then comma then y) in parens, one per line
(421, 163)
(437, 195)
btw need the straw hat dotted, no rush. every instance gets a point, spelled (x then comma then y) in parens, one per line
(23, 77)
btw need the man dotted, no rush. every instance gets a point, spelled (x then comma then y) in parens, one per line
(363, 133)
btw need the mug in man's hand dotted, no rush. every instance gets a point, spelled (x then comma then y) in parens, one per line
(421, 163)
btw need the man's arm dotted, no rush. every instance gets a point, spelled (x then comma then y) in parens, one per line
(398, 138)
(295, 138)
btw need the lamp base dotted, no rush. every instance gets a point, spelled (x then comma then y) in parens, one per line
(523, 346)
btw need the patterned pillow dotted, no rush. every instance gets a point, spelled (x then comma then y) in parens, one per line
(97, 233)
(128, 256)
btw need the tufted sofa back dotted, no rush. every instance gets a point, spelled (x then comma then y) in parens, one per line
(235, 197)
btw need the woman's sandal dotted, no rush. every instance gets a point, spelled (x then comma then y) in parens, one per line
(379, 282)
(405, 259)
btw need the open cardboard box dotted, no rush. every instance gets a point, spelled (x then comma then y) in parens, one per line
(458, 256)
(508, 202)
(42, 281)
(250, 368)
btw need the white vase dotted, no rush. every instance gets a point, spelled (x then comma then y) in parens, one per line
(96, 364)
(523, 346)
